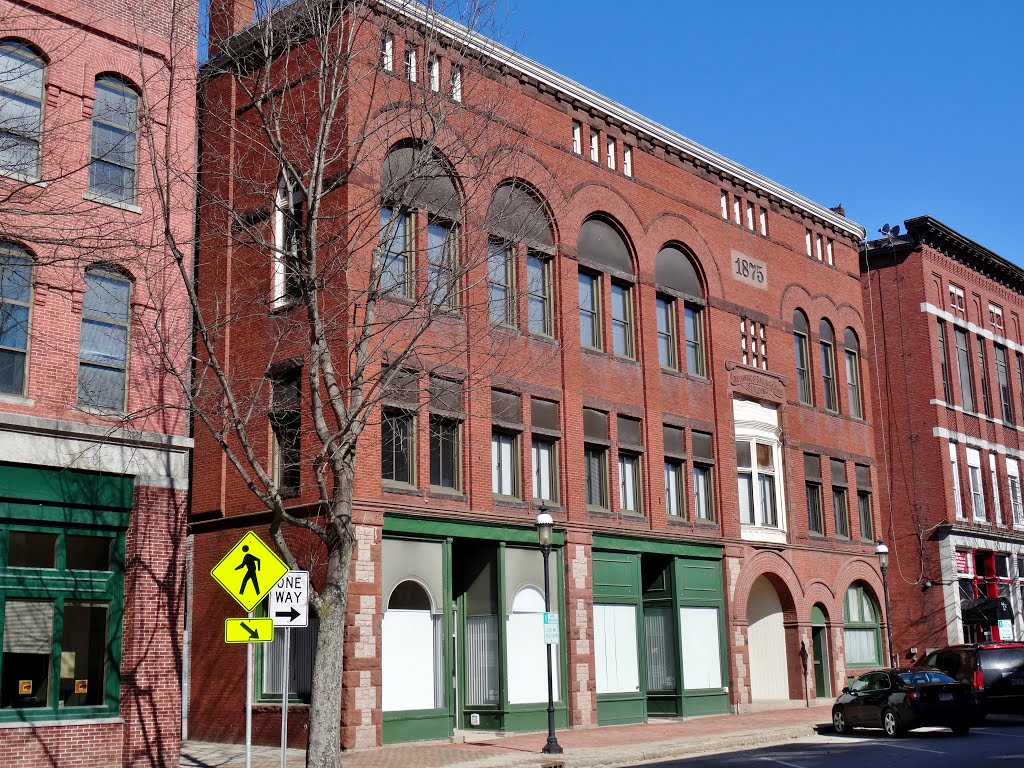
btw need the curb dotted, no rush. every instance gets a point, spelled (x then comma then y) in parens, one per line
(619, 756)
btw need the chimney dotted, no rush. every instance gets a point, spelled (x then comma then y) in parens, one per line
(835, 209)
(226, 18)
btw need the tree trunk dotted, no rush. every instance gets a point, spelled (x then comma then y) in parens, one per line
(324, 747)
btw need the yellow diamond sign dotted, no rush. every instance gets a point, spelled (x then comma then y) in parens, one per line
(249, 571)
(248, 630)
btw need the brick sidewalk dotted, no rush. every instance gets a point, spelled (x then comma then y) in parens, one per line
(606, 746)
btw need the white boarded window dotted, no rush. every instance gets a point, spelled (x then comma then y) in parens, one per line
(615, 649)
(702, 655)
(524, 641)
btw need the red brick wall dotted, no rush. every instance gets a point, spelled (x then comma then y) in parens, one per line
(668, 199)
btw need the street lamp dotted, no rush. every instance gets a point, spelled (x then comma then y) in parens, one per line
(545, 528)
(883, 561)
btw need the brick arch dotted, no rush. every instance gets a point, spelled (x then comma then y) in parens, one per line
(37, 41)
(537, 191)
(117, 67)
(532, 168)
(780, 573)
(667, 227)
(588, 198)
(818, 592)
(858, 570)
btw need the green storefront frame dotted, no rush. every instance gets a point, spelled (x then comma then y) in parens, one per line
(440, 723)
(65, 503)
(667, 577)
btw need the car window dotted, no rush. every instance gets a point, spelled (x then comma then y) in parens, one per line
(921, 678)
(861, 684)
(1002, 658)
(950, 663)
(881, 682)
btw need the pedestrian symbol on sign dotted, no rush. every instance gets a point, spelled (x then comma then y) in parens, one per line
(251, 563)
(248, 568)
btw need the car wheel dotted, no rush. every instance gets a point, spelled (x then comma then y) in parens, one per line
(839, 724)
(891, 724)
(961, 730)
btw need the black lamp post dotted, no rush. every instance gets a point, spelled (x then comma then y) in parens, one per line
(545, 527)
(883, 561)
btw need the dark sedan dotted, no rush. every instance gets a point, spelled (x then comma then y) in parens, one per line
(901, 700)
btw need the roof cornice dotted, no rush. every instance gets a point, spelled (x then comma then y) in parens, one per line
(933, 233)
(593, 100)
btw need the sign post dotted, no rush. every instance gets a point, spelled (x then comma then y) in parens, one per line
(247, 572)
(288, 607)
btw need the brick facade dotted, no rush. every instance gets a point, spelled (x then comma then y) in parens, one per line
(64, 230)
(676, 193)
(910, 282)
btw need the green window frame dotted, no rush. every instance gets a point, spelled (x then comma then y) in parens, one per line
(861, 627)
(68, 589)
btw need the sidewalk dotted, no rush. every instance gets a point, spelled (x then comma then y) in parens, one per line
(607, 746)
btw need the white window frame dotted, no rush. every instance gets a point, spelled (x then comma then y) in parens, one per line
(456, 82)
(807, 241)
(577, 137)
(627, 160)
(282, 253)
(610, 152)
(757, 423)
(675, 488)
(995, 316)
(997, 505)
(830, 251)
(595, 148)
(750, 216)
(1013, 485)
(725, 205)
(434, 72)
(977, 486)
(737, 214)
(387, 52)
(956, 300)
(410, 63)
(630, 483)
(505, 476)
(764, 221)
(539, 443)
(955, 466)
(817, 248)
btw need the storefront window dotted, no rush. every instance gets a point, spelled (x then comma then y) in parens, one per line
(861, 627)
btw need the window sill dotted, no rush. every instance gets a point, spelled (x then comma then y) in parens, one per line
(401, 489)
(283, 305)
(448, 494)
(552, 506)
(30, 180)
(702, 522)
(603, 512)
(543, 338)
(132, 207)
(288, 493)
(49, 720)
(509, 501)
(750, 532)
(17, 400)
(94, 410)
(271, 706)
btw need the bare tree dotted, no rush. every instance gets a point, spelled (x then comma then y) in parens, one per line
(353, 203)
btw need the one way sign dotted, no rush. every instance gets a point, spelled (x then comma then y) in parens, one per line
(289, 600)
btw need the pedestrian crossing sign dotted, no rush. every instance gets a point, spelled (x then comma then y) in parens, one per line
(249, 571)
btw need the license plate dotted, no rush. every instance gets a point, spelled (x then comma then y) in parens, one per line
(945, 697)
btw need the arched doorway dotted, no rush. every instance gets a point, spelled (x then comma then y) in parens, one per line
(820, 652)
(766, 643)
(410, 650)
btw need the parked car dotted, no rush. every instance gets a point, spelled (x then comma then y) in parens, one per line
(994, 670)
(901, 700)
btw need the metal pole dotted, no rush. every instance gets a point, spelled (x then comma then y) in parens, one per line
(284, 697)
(552, 747)
(248, 703)
(888, 616)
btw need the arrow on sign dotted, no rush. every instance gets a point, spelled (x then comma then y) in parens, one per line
(291, 614)
(253, 633)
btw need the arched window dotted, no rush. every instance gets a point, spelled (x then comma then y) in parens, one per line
(861, 633)
(853, 374)
(803, 357)
(420, 203)
(606, 270)
(679, 288)
(412, 655)
(288, 224)
(828, 366)
(518, 227)
(114, 152)
(21, 109)
(103, 348)
(15, 300)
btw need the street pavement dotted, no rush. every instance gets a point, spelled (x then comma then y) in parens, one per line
(607, 746)
(999, 742)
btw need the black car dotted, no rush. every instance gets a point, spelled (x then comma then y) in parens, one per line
(994, 670)
(901, 700)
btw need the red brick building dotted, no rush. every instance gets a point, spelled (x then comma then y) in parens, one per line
(94, 440)
(944, 317)
(686, 393)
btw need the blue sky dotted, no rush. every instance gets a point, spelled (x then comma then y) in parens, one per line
(893, 109)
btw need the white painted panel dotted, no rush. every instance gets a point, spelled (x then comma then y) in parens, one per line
(766, 639)
(527, 672)
(407, 660)
(615, 649)
(702, 656)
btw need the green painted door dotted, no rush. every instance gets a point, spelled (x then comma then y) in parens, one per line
(618, 638)
(819, 639)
